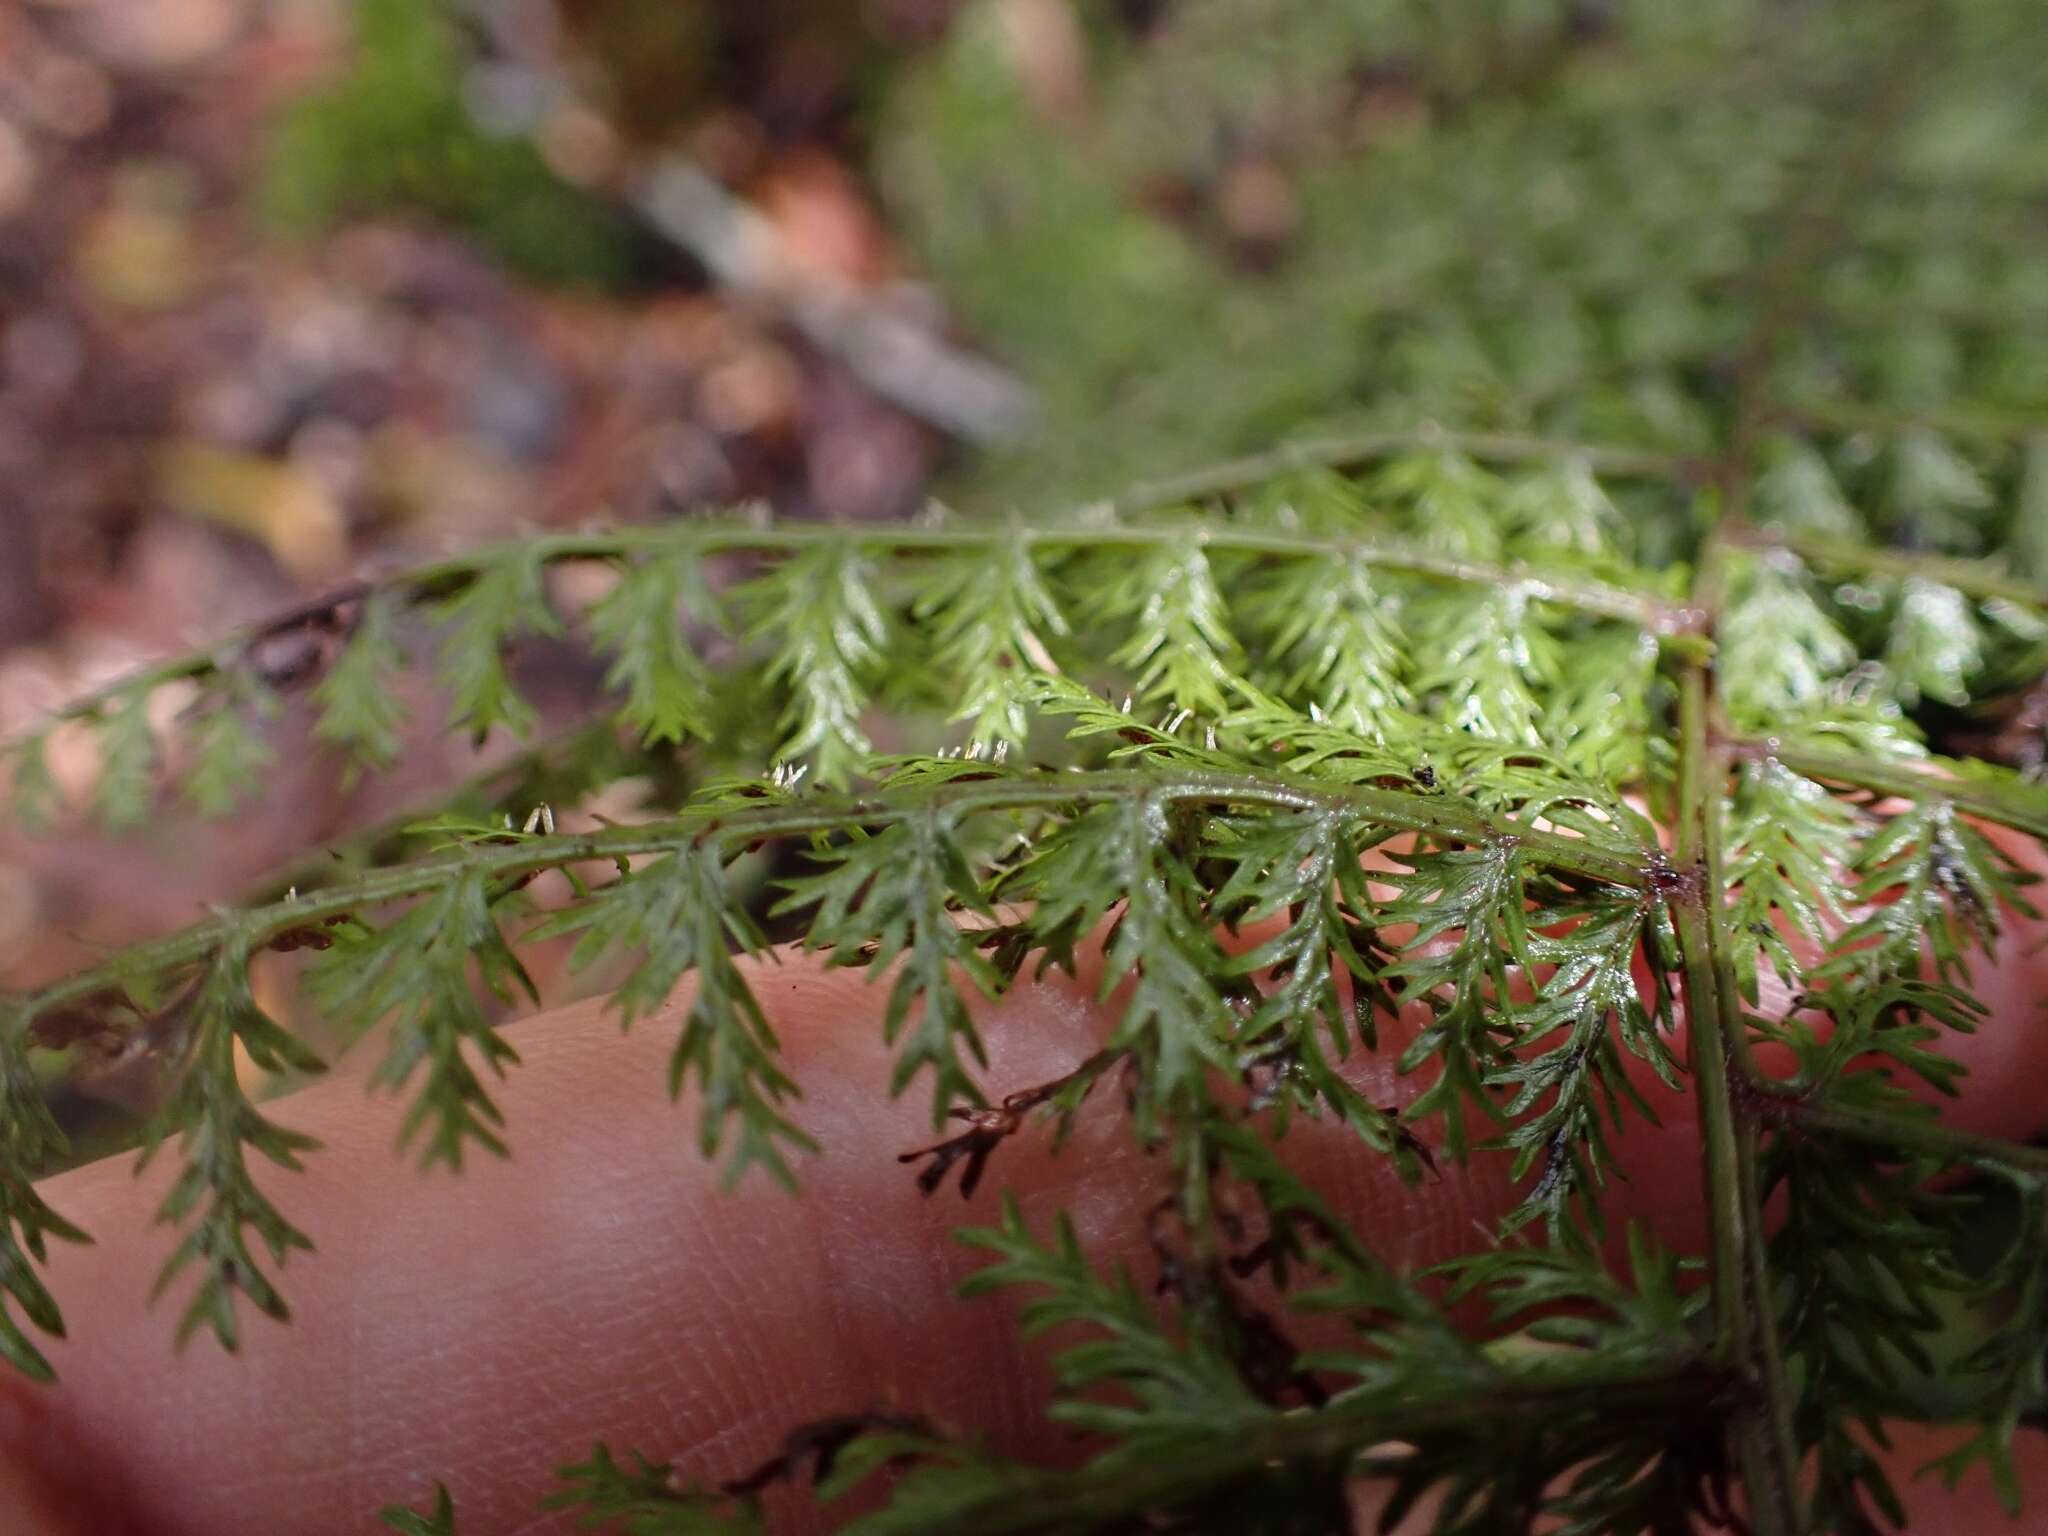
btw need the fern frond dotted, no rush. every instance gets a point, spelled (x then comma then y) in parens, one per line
(1936, 648)
(1175, 1022)
(1797, 492)
(28, 1135)
(991, 616)
(1561, 509)
(898, 899)
(414, 972)
(502, 599)
(1789, 842)
(217, 1126)
(829, 633)
(1865, 1267)
(1781, 652)
(1179, 646)
(1332, 632)
(1569, 1042)
(1935, 495)
(229, 753)
(1475, 899)
(440, 1522)
(679, 913)
(2009, 1370)
(1933, 886)
(32, 792)
(129, 751)
(1175, 1386)
(1490, 660)
(663, 687)
(360, 708)
(1453, 504)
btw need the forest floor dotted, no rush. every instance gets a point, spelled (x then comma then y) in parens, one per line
(202, 422)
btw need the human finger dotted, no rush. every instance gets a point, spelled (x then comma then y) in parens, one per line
(484, 1328)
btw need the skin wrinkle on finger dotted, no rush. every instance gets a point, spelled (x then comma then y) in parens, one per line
(598, 1284)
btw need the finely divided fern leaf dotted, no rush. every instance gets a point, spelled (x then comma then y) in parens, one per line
(215, 1197)
(829, 633)
(414, 975)
(27, 1223)
(899, 900)
(359, 704)
(128, 758)
(1569, 1069)
(502, 600)
(1430, 736)
(643, 624)
(1474, 901)
(229, 751)
(1180, 646)
(992, 616)
(680, 917)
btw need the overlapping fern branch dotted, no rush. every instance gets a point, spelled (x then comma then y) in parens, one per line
(815, 606)
(1360, 745)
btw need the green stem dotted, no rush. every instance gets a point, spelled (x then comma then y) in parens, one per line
(2012, 802)
(1908, 1135)
(1736, 1236)
(1442, 816)
(1709, 1067)
(1764, 1443)
(1119, 1494)
(1763, 1308)
(1986, 424)
(1976, 578)
(1087, 527)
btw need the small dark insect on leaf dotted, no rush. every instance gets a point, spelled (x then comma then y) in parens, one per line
(1425, 775)
(820, 1442)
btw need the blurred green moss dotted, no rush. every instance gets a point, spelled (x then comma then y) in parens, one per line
(1501, 215)
(394, 135)
(1105, 252)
